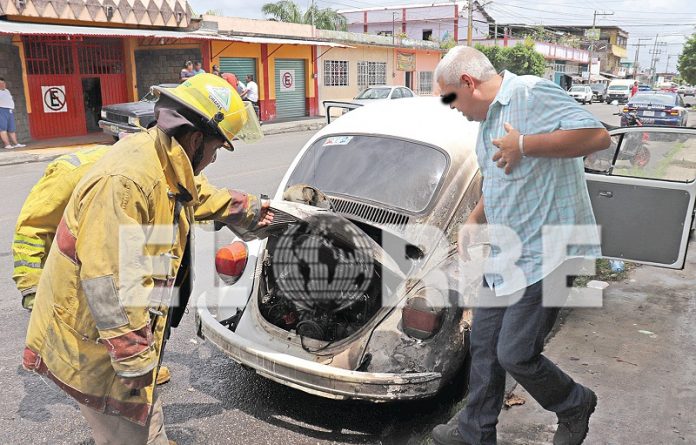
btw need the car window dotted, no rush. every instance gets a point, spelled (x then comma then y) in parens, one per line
(653, 155)
(396, 94)
(578, 89)
(390, 171)
(618, 87)
(406, 93)
(374, 93)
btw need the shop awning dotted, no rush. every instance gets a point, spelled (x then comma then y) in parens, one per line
(609, 75)
(597, 78)
(91, 31)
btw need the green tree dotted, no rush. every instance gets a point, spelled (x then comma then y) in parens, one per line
(687, 61)
(288, 11)
(520, 59)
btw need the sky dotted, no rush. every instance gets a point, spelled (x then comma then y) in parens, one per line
(672, 20)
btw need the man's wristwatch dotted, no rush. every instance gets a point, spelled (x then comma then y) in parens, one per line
(520, 142)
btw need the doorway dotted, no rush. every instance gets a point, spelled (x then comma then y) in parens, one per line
(409, 79)
(92, 98)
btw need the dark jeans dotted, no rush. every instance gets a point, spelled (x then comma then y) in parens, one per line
(511, 339)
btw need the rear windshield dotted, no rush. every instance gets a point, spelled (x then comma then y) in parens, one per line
(655, 99)
(618, 87)
(394, 172)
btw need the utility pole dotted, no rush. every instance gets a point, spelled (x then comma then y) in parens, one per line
(495, 39)
(635, 63)
(393, 19)
(669, 56)
(591, 47)
(653, 65)
(470, 23)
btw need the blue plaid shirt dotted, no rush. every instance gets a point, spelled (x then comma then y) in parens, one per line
(539, 191)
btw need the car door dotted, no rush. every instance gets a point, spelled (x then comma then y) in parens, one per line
(642, 190)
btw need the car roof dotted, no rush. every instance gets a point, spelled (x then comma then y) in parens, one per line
(423, 119)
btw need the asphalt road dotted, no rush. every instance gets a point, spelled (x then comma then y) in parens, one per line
(210, 399)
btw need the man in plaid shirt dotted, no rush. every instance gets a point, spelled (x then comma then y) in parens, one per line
(530, 146)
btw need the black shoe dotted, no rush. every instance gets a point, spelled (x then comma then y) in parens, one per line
(447, 435)
(572, 429)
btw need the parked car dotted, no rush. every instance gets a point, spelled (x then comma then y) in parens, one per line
(658, 108)
(644, 87)
(686, 90)
(130, 117)
(376, 177)
(599, 91)
(581, 93)
(382, 92)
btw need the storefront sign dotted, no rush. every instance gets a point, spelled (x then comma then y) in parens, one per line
(287, 80)
(54, 99)
(405, 61)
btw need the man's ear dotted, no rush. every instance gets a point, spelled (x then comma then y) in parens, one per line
(191, 141)
(467, 80)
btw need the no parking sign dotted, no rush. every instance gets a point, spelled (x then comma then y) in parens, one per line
(287, 80)
(54, 99)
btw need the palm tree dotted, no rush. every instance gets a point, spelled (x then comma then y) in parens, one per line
(325, 18)
(288, 11)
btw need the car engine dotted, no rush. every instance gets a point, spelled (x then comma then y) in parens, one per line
(320, 280)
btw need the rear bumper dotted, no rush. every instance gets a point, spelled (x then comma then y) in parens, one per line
(311, 377)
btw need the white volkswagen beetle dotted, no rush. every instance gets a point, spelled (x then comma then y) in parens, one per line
(336, 301)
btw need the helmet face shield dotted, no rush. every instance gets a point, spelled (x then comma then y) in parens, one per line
(251, 131)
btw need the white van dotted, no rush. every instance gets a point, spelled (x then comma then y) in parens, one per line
(619, 89)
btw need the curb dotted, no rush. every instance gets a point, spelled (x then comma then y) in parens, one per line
(26, 158)
(29, 159)
(303, 127)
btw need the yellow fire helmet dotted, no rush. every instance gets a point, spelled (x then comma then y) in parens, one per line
(214, 99)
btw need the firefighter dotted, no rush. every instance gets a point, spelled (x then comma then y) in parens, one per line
(101, 313)
(42, 210)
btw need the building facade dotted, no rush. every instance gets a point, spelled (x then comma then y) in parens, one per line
(370, 60)
(437, 21)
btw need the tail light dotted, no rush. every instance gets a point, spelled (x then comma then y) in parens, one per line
(672, 112)
(420, 319)
(625, 109)
(230, 261)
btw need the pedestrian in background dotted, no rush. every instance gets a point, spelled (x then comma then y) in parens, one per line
(530, 145)
(7, 121)
(231, 78)
(634, 88)
(198, 68)
(187, 71)
(251, 93)
(216, 70)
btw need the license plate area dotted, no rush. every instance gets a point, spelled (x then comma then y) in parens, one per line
(649, 113)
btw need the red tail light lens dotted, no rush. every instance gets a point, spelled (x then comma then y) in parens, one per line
(419, 319)
(230, 261)
(673, 112)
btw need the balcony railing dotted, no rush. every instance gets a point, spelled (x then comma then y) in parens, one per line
(550, 51)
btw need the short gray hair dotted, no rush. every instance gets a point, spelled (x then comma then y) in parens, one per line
(464, 60)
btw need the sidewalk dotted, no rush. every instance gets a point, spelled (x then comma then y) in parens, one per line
(47, 150)
(638, 353)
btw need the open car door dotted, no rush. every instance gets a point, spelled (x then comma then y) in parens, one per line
(642, 190)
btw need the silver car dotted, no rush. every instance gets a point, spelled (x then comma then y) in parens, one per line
(337, 301)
